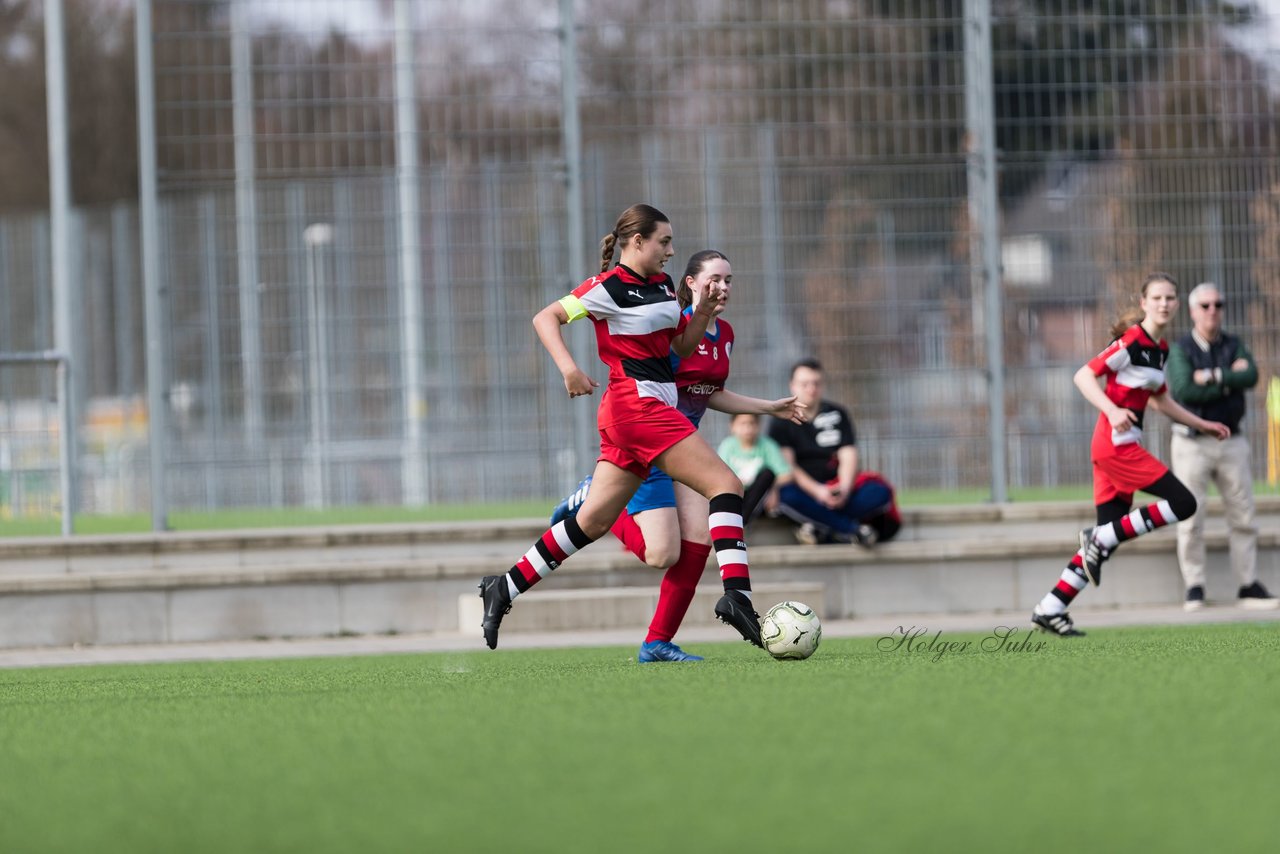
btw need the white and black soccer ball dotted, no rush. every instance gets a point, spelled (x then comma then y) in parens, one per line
(791, 630)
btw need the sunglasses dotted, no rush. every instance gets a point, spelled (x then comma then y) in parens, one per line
(1208, 305)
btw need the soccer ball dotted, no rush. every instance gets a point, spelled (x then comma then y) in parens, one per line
(790, 630)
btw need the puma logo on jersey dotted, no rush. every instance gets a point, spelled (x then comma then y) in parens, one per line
(634, 294)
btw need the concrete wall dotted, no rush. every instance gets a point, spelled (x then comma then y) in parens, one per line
(382, 580)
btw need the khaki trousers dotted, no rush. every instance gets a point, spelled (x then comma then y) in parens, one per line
(1196, 461)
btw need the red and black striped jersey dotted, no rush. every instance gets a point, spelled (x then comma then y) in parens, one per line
(635, 320)
(1133, 365)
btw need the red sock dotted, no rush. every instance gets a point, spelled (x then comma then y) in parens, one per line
(626, 530)
(676, 591)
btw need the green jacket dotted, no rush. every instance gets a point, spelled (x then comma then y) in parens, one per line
(1221, 400)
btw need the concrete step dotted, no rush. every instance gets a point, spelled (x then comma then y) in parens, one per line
(551, 610)
(499, 540)
(372, 580)
(370, 598)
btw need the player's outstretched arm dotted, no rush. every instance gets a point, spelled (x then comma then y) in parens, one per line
(785, 408)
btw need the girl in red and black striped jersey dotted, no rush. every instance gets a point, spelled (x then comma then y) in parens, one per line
(665, 523)
(1133, 367)
(638, 322)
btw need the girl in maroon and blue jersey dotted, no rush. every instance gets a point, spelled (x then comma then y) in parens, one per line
(1133, 368)
(638, 322)
(665, 524)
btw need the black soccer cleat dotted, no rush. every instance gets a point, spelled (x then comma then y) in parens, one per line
(497, 602)
(734, 609)
(1092, 556)
(1056, 624)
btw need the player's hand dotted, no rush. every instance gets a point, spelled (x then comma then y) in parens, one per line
(1240, 365)
(711, 301)
(1220, 431)
(577, 383)
(1122, 419)
(789, 409)
(1204, 376)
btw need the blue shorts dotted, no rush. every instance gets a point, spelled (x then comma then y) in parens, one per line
(656, 491)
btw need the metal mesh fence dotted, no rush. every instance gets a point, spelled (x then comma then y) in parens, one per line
(822, 146)
(31, 484)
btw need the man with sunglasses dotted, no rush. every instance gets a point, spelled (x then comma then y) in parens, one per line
(1208, 372)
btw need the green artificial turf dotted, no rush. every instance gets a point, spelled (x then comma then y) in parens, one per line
(295, 517)
(1140, 739)
(279, 517)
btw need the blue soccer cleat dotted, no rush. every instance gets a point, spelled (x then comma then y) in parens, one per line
(569, 508)
(661, 650)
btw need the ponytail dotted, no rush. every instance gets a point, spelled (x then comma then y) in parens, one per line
(606, 250)
(1127, 318)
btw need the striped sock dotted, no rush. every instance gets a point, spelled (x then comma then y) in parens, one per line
(1134, 524)
(727, 538)
(676, 592)
(552, 549)
(1068, 587)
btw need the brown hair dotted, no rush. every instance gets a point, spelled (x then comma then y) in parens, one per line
(697, 262)
(1135, 314)
(811, 363)
(638, 219)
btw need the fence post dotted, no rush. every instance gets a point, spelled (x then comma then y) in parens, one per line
(246, 220)
(410, 229)
(60, 240)
(583, 415)
(149, 204)
(984, 221)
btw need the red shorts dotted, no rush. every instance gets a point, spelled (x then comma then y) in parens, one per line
(633, 445)
(1124, 472)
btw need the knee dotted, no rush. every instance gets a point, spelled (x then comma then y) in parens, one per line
(727, 486)
(1184, 506)
(592, 527)
(660, 556)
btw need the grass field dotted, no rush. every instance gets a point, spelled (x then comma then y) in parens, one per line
(1142, 739)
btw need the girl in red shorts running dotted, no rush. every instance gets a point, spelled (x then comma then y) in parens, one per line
(1133, 368)
(638, 324)
(665, 524)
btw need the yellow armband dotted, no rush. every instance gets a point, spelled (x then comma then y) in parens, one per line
(573, 307)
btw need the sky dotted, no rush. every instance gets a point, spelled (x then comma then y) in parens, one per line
(364, 20)
(1263, 41)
